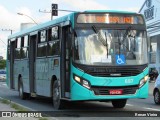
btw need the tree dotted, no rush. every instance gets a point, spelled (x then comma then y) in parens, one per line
(2, 64)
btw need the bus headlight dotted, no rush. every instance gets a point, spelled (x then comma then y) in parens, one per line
(78, 79)
(82, 82)
(143, 81)
(86, 84)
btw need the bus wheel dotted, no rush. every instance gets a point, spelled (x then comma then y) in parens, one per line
(120, 103)
(22, 95)
(57, 102)
(157, 97)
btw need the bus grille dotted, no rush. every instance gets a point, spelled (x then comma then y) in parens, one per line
(100, 90)
(112, 71)
(115, 72)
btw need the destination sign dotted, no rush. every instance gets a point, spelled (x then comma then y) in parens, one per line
(110, 18)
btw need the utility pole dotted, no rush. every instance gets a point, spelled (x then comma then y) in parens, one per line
(8, 30)
(54, 10)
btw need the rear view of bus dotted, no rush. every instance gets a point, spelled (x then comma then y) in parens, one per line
(110, 57)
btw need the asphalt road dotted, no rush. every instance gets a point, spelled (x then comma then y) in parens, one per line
(89, 109)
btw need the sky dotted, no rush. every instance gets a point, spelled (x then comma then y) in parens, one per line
(10, 20)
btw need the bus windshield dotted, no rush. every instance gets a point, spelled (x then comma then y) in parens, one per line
(102, 48)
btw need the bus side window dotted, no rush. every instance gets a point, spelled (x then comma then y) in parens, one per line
(54, 48)
(42, 44)
(8, 50)
(17, 48)
(24, 49)
(53, 41)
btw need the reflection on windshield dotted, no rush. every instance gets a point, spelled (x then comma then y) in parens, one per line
(130, 45)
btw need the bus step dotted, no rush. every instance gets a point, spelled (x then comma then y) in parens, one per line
(33, 95)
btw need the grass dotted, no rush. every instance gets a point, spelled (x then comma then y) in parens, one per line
(43, 119)
(5, 101)
(18, 107)
(13, 105)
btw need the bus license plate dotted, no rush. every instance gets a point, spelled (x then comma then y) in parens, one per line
(116, 92)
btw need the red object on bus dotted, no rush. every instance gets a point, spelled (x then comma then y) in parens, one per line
(116, 92)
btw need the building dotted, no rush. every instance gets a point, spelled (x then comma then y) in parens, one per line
(151, 12)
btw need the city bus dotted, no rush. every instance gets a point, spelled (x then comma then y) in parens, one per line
(83, 56)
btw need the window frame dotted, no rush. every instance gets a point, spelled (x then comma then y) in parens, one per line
(50, 40)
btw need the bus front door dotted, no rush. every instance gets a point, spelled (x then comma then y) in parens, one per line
(65, 61)
(32, 53)
(12, 52)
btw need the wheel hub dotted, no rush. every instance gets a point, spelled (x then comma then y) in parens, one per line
(20, 90)
(56, 94)
(157, 97)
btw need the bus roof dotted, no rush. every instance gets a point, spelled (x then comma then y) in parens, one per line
(62, 19)
(111, 11)
(43, 25)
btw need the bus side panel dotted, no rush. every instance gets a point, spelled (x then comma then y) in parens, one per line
(8, 81)
(17, 72)
(53, 70)
(41, 75)
(46, 68)
(25, 75)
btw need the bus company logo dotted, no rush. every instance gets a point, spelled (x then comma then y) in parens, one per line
(100, 70)
(6, 114)
(110, 70)
(148, 3)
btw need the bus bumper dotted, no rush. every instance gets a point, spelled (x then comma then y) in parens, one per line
(80, 93)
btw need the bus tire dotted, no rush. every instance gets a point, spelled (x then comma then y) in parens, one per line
(157, 97)
(57, 102)
(22, 95)
(120, 103)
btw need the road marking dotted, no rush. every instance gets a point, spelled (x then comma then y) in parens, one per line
(129, 105)
(152, 109)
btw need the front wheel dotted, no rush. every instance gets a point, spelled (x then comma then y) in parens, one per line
(157, 97)
(57, 102)
(120, 103)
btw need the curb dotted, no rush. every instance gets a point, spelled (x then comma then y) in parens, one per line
(11, 102)
(22, 106)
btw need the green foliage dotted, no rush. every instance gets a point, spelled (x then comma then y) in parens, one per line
(2, 64)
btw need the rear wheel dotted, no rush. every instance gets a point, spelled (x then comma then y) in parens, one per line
(57, 102)
(157, 97)
(120, 103)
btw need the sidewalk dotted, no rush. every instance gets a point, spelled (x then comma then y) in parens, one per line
(5, 107)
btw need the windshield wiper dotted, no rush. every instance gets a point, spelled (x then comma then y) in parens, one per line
(124, 38)
(106, 43)
(102, 40)
(125, 34)
(119, 43)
